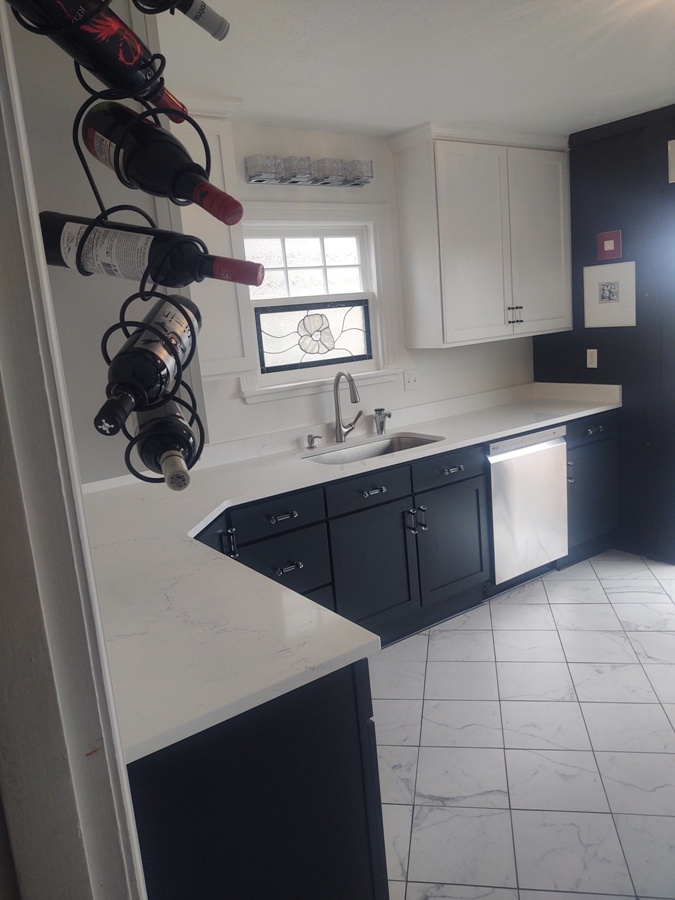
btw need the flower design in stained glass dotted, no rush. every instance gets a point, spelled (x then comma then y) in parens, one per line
(293, 337)
(315, 334)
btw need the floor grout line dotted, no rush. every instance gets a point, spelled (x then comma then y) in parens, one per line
(584, 706)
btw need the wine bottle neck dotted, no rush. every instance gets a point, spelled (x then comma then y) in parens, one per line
(193, 185)
(174, 470)
(176, 111)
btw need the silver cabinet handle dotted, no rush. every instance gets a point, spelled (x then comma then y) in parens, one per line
(570, 473)
(376, 490)
(412, 528)
(453, 471)
(422, 518)
(596, 429)
(291, 514)
(231, 533)
(292, 568)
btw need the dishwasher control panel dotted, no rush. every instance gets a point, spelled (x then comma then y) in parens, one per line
(527, 440)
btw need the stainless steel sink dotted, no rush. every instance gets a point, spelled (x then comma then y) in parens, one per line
(370, 447)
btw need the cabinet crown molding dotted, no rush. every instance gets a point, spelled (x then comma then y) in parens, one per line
(430, 131)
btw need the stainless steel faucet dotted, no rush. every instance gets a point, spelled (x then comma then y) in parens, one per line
(381, 416)
(342, 430)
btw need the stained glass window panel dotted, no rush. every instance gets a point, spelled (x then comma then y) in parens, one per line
(317, 334)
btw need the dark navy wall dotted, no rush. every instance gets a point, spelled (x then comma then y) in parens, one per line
(619, 181)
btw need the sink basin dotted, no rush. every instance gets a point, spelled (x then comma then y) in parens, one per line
(339, 454)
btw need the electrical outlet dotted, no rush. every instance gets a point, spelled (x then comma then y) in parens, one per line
(411, 380)
(591, 359)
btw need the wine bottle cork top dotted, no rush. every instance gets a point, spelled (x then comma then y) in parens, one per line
(174, 470)
(218, 203)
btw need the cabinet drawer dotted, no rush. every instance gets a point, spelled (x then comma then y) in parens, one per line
(592, 428)
(367, 490)
(299, 560)
(276, 515)
(448, 467)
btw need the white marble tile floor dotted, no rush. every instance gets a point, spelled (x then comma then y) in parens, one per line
(527, 747)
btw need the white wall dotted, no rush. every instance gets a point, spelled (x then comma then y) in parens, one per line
(85, 307)
(443, 374)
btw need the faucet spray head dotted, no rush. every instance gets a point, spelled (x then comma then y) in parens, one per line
(353, 390)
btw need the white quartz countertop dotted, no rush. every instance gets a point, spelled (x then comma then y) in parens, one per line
(193, 637)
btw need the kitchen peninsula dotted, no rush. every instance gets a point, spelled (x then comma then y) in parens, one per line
(195, 640)
(192, 636)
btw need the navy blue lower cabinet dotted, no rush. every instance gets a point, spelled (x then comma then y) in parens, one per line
(279, 803)
(453, 544)
(375, 572)
(394, 549)
(592, 485)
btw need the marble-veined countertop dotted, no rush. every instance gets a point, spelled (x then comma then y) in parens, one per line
(193, 637)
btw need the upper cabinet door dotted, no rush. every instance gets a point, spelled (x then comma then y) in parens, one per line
(484, 242)
(474, 239)
(540, 236)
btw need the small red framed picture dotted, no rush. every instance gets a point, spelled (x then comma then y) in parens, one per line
(609, 245)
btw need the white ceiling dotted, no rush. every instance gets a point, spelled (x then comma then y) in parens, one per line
(381, 66)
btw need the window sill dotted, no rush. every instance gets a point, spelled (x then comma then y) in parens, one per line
(252, 392)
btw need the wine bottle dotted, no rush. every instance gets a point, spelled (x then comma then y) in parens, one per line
(152, 159)
(143, 371)
(128, 251)
(166, 444)
(104, 45)
(196, 10)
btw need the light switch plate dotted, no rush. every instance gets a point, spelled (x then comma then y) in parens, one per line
(591, 359)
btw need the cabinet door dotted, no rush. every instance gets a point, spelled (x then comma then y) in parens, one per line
(453, 540)
(473, 225)
(592, 490)
(280, 802)
(374, 563)
(540, 253)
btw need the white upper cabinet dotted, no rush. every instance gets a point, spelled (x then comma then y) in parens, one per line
(485, 242)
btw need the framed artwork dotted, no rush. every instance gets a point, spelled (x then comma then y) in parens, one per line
(609, 295)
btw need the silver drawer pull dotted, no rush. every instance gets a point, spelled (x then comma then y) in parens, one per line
(292, 568)
(412, 528)
(231, 533)
(377, 490)
(454, 470)
(596, 429)
(422, 519)
(291, 514)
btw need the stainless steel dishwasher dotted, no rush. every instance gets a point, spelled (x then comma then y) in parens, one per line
(529, 501)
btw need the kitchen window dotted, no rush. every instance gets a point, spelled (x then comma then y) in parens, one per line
(302, 266)
(318, 309)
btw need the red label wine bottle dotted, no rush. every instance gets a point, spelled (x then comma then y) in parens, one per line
(104, 45)
(142, 372)
(196, 10)
(166, 444)
(128, 251)
(153, 160)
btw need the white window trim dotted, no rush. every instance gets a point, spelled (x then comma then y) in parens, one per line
(375, 219)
